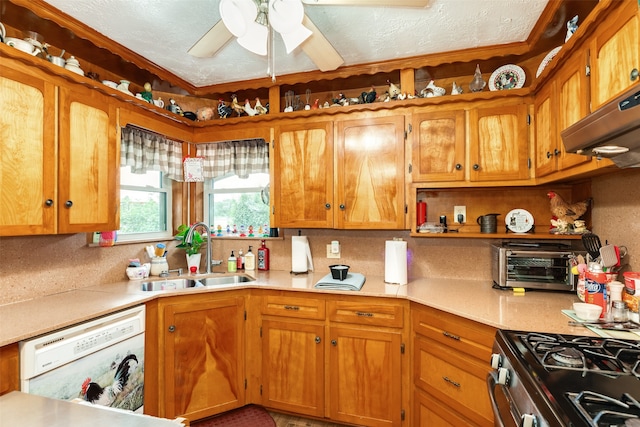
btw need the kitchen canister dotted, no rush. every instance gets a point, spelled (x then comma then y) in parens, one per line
(395, 261)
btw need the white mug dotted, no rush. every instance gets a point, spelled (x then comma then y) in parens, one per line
(158, 102)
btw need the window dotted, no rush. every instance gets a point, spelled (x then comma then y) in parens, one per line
(145, 206)
(233, 202)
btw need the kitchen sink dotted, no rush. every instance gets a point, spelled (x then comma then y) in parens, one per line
(186, 283)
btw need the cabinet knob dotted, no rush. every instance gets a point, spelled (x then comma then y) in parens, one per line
(458, 166)
(172, 328)
(68, 203)
(556, 152)
(634, 74)
(327, 206)
(548, 155)
(334, 343)
(342, 207)
(476, 167)
(48, 202)
(318, 340)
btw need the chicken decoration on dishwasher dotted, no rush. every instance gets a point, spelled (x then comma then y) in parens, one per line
(106, 396)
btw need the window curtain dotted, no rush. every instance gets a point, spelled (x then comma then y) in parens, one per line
(146, 151)
(240, 157)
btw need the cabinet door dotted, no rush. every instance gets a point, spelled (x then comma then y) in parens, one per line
(365, 381)
(28, 154)
(573, 103)
(204, 357)
(303, 182)
(437, 152)
(293, 366)
(370, 172)
(499, 142)
(544, 120)
(89, 163)
(615, 52)
(9, 368)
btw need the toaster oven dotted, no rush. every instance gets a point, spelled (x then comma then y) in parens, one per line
(545, 266)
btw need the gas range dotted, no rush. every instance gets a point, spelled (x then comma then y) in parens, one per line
(564, 380)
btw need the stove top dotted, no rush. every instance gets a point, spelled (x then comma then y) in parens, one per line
(585, 381)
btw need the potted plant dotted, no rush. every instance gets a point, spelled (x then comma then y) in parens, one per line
(193, 249)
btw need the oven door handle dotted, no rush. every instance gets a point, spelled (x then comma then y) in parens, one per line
(492, 382)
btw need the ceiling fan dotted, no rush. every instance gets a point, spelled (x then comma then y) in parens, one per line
(249, 21)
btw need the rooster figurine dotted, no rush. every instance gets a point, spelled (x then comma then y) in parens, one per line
(260, 109)
(568, 212)
(369, 96)
(248, 108)
(239, 109)
(224, 110)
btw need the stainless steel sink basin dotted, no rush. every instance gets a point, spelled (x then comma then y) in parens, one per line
(186, 283)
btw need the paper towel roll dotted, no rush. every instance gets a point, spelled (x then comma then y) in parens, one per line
(395, 262)
(301, 260)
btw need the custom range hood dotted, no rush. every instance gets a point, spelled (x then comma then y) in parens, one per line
(612, 131)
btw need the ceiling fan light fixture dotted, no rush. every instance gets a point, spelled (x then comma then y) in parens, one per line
(295, 38)
(237, 15)
(286, 18)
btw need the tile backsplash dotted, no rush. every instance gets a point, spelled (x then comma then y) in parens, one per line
(34, 266)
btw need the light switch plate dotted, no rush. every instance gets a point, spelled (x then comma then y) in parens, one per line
(331, 254)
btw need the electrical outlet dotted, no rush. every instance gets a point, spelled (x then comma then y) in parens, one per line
(331, 253)
(459, 214)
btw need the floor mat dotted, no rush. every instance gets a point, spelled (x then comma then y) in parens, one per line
(250, 415)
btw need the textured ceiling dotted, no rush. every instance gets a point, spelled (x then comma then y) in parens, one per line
(164, 30)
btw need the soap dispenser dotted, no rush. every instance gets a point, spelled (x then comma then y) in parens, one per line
(232, 263)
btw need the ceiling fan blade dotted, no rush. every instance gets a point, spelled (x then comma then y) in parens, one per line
(211, 42)
(396, 3)
(318, 48)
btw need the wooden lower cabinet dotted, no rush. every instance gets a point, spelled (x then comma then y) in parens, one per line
(450, 366)
(201, 356)
(9, 368)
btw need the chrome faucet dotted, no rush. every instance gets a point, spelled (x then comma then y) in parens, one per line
(188, 239)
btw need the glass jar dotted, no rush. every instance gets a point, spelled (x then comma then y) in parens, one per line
(619, 311)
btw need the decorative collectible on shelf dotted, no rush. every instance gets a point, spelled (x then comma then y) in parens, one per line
(566, 216)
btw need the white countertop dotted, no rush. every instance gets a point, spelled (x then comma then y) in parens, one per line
(476, 300)
(22, 409)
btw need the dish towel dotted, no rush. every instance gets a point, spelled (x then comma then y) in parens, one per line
(353, 282)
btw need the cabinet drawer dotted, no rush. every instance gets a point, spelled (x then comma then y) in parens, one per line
(363, 313)
(305, 308)
(473, 338)
(456, 380)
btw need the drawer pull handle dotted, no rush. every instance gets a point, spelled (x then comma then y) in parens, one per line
(291, 307)
(448, 335)
(452, 382)
(363, 314)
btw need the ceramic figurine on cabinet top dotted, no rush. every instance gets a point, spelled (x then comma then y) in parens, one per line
(432, 90)
(146, 94)
(572, 26)
(394, 91)
(224, 110)
(456, 90)
(477, 84)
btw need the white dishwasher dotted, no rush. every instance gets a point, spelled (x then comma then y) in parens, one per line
(100, 361)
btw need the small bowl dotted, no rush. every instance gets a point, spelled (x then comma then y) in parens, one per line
(339, 271)
(588, 312)
(137, 273)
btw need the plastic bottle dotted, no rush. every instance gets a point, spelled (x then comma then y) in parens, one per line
(240, 260)
(232, 263)
(263, 256)
(249, 260)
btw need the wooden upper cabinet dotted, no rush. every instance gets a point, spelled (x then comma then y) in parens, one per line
(89, 162)
(615, 54)
(303, 179)
(28, 167)
(544, 118)
(572, 89)
(438, 149)
(370, 170)
(499, 141)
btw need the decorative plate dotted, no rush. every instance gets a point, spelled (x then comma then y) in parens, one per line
(547, 59)
(519, 221)
(508, 76)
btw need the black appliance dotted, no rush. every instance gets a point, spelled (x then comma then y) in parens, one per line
(546, 379)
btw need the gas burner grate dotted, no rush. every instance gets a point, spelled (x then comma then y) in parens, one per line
(602, 410)
(605, 356)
